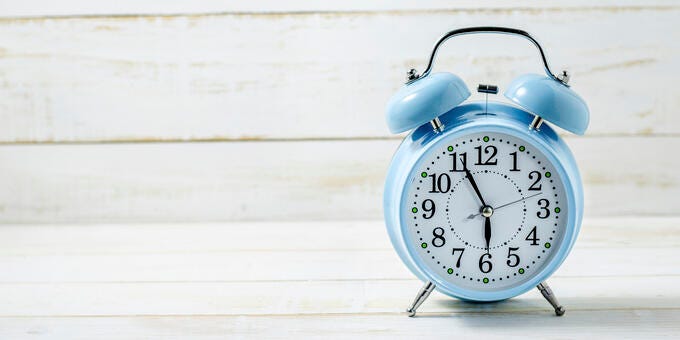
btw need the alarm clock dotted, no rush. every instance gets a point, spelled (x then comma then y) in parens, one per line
(483, 201)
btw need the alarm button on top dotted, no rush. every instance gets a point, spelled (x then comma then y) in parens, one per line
(423, 100)
(551, 100)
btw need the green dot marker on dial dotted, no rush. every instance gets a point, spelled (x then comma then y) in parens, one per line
(547, 244)
(423, 174)
(486, 138)
(486, 280)
(450, 271)
(548, 174)
(415, 210)
(424, 245)
(522, 148)
(521, 270)
(557, 209)
(450, 148)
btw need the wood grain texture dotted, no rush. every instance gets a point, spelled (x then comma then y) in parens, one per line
(212, 253)
(616, 324)
(41, 8)
(152, 292)
(309, 180)
(311, 75)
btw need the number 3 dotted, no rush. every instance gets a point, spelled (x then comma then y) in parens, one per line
(543, 203)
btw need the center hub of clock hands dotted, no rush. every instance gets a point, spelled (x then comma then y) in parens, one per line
(487, 211)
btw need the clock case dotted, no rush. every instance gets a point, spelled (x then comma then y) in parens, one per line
(462, 120)
(432, 107)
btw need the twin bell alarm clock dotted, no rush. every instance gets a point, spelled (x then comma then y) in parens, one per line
(483, 201)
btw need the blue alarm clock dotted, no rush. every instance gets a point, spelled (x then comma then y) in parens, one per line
(482, 200)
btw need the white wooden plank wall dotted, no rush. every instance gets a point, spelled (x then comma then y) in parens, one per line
(197, 111)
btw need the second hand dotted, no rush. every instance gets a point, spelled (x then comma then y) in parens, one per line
(505, 205)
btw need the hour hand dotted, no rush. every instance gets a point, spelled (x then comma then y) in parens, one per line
(487, 232)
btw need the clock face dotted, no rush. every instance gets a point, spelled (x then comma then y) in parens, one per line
(486, 211)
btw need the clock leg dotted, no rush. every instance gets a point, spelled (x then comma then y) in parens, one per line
(420, 298)
(550, 296)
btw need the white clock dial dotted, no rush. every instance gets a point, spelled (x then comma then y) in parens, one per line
(497, 236)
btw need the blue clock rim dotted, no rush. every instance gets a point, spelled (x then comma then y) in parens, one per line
(570, 179)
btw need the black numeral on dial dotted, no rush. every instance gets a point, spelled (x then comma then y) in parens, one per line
(488, 150)
(514, 161)
(428, 207)
(441, 183)
(485, 265)
(461, 250)
(513, 259)
(535, 186)
(438, 240)
(532, 237)
(543, 204)
(459, 163)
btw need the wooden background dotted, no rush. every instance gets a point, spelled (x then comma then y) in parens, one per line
(273, 110)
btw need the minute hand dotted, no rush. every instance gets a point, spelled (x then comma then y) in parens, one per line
(474, 185)
(505, 205)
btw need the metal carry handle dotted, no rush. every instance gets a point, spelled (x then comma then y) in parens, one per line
(488, 29)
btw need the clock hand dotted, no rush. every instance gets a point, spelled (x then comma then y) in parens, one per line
(474, 186)
(505, 205)
(487, 232)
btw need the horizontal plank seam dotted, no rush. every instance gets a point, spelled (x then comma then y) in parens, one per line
(36, 283)
(332, 314)
(62, 253)
(293, 139)
(345, 12)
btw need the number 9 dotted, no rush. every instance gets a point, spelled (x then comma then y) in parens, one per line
(428, 208)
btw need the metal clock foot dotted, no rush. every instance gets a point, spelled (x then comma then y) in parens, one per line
(550, 296)
(420, 298)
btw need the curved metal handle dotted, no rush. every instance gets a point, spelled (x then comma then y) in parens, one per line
(487, 29)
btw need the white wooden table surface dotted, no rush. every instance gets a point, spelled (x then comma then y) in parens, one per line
(339, 279)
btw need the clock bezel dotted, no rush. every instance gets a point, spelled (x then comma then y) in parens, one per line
(465, 120)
